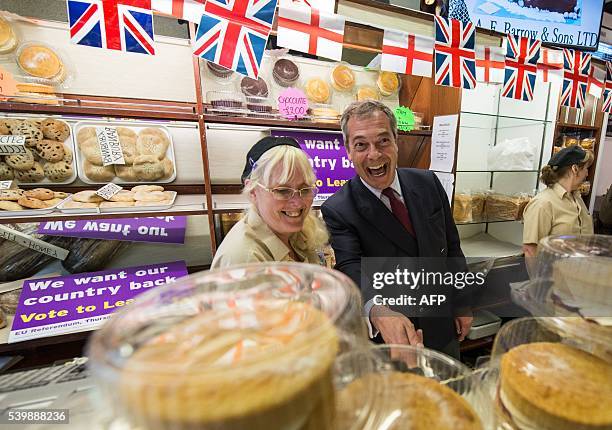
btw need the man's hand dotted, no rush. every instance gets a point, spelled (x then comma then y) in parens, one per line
(463, 326)
(394, 327)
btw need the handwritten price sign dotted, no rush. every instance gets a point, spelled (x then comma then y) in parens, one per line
(8, 85)
(292, 104)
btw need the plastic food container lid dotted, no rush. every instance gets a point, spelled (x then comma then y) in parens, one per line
(264, 335)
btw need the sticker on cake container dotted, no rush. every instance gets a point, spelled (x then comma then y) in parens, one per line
(292, 104)
(108, 191)
(12, 145)
(405, 118)
(110, 147)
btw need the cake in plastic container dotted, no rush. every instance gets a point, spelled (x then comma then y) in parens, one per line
(250, 347)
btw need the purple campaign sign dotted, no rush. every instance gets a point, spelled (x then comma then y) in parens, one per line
(166, 229)
(328, 158)
(52, 306)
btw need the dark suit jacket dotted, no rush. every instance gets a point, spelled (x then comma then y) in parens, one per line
(362, 226)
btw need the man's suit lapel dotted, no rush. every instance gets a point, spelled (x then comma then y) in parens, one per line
(372, 208)
(412, 199)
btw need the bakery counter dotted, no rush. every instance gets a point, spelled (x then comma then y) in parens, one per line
(485, 245)
(188, 204)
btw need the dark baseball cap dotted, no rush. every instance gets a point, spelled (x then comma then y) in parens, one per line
(262, 146)
(568, 156)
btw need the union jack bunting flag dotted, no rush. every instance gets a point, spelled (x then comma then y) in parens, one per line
(189, 10)
(522, 55)
(577, 65)
(233, 33)
(607, 104)
(123, 25)
(454, 58)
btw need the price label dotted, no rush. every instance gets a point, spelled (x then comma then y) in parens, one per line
(6, 185)
(30, 242)
(108, 191)
(8, 85)
(12, 145)
(405, 118)
(292, 104)
(110, 148)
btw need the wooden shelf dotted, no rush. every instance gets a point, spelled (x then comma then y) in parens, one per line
(83, 105)
(578, 126)
(469, 344)
(281, 123)
(191, 204)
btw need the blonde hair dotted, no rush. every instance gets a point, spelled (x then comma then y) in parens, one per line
(277, 166)
(550, 176)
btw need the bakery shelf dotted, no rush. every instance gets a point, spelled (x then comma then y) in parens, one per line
(281, 123)
(484, 244)
(224, 203)
(189, 204)
(107, 106)
(487, 221)
(577, 126)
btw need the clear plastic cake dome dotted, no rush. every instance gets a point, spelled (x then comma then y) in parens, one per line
(571, 291)
(248, 347)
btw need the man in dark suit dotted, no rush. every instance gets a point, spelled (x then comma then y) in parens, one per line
(390, 212)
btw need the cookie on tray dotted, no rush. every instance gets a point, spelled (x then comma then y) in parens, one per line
(35, 174)
(55, 130)
(98, 173)
(10, 206)
(123, 196)
(91, 152)
(31, 203)
(21, 161)
(150, 196)
(40, 194)
(152, 141)
(30, 130)
(87, 196)
(6, 172)
(84, 134)
(52, 202)
(50, 150)
(139, 188)
(10, 195)
(148, 168)
(58, 172)
(79, 205)
(126, 173)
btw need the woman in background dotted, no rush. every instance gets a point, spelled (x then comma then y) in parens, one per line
(279, 225)
(559, 209)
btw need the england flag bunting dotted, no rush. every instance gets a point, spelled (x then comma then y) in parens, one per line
(550, 66)
(233, 33)
(325, 6)
(189, 10)
(490, 64)
(406, 53)
(522, 55)
(454, 53)
(577, 65)
(307, 29)
(607, 103)
(122, 25)
(597, 79)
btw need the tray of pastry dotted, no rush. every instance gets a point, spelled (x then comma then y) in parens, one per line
(141, 198)
(38, 201)
(147, 150)
(49, 153)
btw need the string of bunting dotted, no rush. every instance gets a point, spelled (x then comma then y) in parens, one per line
(234, 33)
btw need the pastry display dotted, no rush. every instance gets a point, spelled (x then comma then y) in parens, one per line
(40, 61)
(587, 143)
(147, 152)
(388, 83)
(13, 200)
(342, 78)
(35, 93)
(285, 72)
(254, 87)
(238, 372)
(417, 403)
(324, 113)
(219, 71)
(478, 206)
(8, 40)
(503, 207)
(228, 100)
(141, 195)
(48, 157)
(462, 208)
(553, 386)
(366, 92)
(317, 90)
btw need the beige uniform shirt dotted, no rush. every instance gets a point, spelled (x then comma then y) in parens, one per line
(250, 241)
(553, 211)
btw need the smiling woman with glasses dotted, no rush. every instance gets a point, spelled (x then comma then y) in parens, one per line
(279, 225)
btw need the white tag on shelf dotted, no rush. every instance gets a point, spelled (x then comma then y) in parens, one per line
(12, 145)
(110, 148)
(6, 185)
(108, 191)
(33, 243)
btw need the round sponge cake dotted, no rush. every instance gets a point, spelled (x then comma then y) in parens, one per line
(547, 385)
(263, 366)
